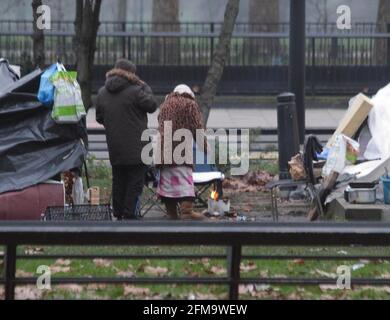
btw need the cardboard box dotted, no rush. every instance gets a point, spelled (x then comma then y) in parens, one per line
(353, 118)
(94, 195)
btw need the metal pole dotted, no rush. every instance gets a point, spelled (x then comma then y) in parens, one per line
(10, 271)
(288, 137)
(234, 261)
(297, 60)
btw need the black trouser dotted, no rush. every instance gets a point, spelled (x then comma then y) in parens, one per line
(127, 186)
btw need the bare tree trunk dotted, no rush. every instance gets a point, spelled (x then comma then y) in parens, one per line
(38, 38)
(86, 27)
(121, 15)
(165, 17)
(221, 54)
(263, 17)
(264, 14)
(381, 45)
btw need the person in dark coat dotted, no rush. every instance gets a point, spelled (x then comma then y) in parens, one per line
(121, 107)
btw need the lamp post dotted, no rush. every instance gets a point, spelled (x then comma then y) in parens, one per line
(296, 76)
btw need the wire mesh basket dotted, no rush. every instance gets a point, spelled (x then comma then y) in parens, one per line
(78, 213)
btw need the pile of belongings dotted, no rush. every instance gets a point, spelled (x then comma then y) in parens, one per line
(358, 151)
(35, 147)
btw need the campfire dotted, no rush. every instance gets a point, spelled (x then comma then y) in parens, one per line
(217, 206)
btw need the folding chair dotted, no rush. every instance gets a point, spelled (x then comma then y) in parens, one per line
(309, 182)
(204, 176)
(151, 200)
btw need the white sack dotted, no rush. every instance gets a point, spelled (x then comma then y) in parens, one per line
(379, 124)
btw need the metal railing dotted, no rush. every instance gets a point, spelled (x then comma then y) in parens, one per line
(195, 48)
(231, 235)
(338, 62)
(148, 26)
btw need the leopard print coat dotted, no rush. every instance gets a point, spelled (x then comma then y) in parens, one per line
(184, 113)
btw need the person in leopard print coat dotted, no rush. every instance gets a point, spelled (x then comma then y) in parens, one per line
(176, 185)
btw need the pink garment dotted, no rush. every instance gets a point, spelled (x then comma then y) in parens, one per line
(176, 182)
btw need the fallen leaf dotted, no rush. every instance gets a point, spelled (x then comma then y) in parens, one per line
(135, 291)
(326, 287)
(96, 286)
(204, 296)
(246, 289)
(104, 263)
(262, 287)
(155, 271)
(248, 267)
(191, 272)
(282, 276)
(75, 288)
(357, 266)
(216, 270)
(23, 274)
(28, 293)
(33, 251)
(59, 269)
(327, 297)
(299, 261)
(62, 262)
(125, 274)
(263, 274)
(326, 274)
(205, 261)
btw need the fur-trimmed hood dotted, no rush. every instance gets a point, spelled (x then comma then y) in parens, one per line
(119, 79)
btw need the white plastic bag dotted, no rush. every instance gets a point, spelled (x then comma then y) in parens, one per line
(343, 151)
(379, 124)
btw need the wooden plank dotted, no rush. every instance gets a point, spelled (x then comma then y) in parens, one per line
(353, 118)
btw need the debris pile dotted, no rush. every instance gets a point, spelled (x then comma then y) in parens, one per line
(251, 182)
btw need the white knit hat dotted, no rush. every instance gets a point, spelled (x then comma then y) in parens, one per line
(183, 88)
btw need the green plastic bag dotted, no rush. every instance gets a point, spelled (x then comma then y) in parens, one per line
(68, 105)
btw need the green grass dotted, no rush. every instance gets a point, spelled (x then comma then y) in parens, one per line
(101, 176)
(211, 267)
(270, 166)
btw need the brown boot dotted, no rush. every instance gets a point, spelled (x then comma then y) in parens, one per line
(187, 213)
(171, 207)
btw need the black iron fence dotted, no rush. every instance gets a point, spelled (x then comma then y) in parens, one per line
(193, 44)
(233, 236)
(148, 26)
(338, 62)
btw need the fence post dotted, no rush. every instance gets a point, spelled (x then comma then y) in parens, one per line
(234, 261)
(123, 27)
(313, 65)
(288, 136)
(10, 270)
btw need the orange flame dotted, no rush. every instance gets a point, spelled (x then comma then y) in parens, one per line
(214, 195)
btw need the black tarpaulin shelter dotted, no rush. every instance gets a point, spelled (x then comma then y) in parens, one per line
(33, 148)
(7, 75)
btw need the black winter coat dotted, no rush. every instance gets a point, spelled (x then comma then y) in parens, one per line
(121, 107)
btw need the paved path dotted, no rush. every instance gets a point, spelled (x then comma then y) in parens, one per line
(249, 117)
